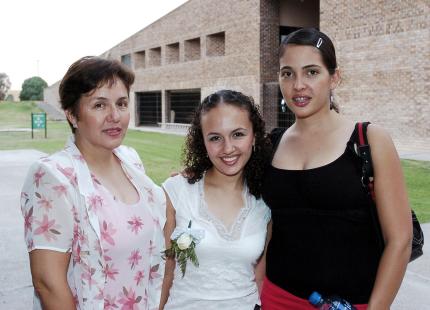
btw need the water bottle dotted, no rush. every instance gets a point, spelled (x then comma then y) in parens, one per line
(330, 303)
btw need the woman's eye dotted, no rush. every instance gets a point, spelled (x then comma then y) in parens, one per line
(99, 106)
(286, 74)
(123, 104)
(238, 134)
(313, 72)
(214, 138)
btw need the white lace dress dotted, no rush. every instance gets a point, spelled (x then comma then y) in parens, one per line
(225, 276)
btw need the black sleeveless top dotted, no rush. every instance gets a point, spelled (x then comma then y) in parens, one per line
(323, 237)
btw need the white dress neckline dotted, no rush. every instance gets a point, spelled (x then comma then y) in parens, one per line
(234, 232)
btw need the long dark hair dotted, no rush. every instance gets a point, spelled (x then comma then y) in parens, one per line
(318, 39)
(195, 157)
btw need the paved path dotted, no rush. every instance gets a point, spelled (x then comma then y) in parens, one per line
(15, 281)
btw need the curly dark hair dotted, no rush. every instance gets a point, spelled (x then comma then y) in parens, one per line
(195, 157)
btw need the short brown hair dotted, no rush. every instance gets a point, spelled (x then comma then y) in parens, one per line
(86, 75)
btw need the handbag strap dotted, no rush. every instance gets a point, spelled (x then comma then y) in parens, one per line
(364, 153)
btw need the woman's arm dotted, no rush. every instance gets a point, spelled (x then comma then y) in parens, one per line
(260, 268)
(170, 262)
(47, 189)
(49, 273)
(394, 216)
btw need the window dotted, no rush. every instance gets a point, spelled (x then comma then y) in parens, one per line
(139, 60)
(148, 108)
(154, 57)
(172, 53)
(192, 49)
(126, 60)
(215, 44)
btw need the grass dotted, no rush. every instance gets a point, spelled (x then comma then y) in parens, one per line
(417, 176)
(160, 153)
(16, 114)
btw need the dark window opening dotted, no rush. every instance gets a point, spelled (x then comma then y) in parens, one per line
(183, 105)
(148, 108)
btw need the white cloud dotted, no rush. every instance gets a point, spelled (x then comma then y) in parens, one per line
(45, 37)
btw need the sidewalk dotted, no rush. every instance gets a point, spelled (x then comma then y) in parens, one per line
(15, 281)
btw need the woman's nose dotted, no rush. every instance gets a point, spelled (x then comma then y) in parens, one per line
(228, 146)
(299, 83)
(114, 114)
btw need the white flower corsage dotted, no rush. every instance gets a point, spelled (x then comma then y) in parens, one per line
(184, 241)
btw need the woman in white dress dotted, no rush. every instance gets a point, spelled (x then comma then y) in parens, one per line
(219, 195)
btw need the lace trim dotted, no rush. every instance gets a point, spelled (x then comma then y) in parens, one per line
(236, 228)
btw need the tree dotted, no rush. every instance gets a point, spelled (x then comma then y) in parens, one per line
(32, 88)
(4, 85)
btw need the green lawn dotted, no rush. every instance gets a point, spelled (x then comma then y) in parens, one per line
(161, 153)
(16, 114)
(417, 175)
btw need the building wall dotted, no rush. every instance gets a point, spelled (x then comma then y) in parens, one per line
(51, 95)
(198, 67)
(269, 62)
(383, 50)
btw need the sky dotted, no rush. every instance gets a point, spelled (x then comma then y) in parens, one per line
(44, 37)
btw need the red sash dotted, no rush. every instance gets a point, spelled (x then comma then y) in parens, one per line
(275, 298)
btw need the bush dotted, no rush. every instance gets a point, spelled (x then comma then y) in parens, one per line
(32, 89)
(4, 85)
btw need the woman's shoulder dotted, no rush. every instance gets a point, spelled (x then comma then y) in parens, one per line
(261, 208)
(52, 162)
(376, 132)
(178, 181)
(127, 153)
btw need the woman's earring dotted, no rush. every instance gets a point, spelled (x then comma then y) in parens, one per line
(74, 125)
(283, 106)
(253, 148)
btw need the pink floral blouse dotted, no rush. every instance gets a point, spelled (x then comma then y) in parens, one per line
(66, 210)
(126, 232)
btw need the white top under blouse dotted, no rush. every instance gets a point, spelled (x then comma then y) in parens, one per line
(225, 277)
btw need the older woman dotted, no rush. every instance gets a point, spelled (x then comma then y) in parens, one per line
(93, 218)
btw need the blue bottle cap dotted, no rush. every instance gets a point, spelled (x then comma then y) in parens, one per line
(315, 298)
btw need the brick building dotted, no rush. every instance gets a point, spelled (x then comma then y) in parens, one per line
(383, 51)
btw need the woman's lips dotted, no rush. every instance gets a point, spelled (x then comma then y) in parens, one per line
(301, 101)
(230, 160)
(113, 132)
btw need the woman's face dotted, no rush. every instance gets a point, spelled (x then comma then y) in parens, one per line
(103, 116)
(305, 81)
(228, 136)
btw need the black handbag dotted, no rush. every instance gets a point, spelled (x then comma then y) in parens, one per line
(363, 151)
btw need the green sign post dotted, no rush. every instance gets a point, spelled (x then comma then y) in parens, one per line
(38, 121)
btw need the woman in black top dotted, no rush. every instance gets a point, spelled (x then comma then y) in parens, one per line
(323, 236)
